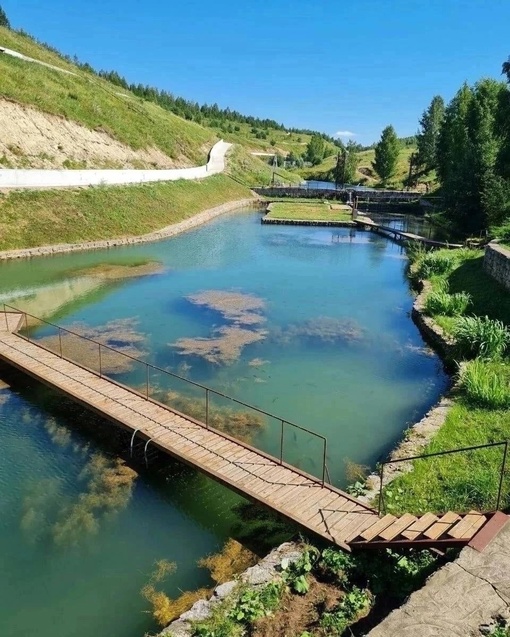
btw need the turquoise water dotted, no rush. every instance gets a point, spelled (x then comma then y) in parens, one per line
(336, 352)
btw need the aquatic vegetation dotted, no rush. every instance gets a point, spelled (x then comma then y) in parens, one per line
(232, 559)
(237, 307)
(109, 489)
(118, 271)
(242, 425)
(223, 347)
(59, 434)
(225, 344)
(38, 507)
(257, 362)
(223, 566)
(119, 334)
(323, 329)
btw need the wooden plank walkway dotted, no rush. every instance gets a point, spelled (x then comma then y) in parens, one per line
(320, 509)
(366, 222)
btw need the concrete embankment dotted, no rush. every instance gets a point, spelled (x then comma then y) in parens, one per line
(39, 178)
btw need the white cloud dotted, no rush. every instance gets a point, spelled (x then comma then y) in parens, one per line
(344, 133)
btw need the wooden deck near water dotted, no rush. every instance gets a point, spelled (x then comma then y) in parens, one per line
(367, 223)
(320, 509)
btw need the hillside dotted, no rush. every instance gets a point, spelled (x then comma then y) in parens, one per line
(138, 133)
(365, 174)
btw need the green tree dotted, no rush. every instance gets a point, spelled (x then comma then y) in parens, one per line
(386, 154)
(315, 150)
(430, 125)
(4, 20)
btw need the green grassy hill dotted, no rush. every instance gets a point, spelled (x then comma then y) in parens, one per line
(365, 174)
(96, 104)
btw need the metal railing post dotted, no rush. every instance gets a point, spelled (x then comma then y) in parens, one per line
(207, 407)
(324, 462)
(498, 502)
(147, 381)
(60, 341)
(100, 363)
(26, 326)
(381, 473)
(6, 321)
(281, 444)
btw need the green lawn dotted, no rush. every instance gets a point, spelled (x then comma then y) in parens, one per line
(466, 480)
(309, 211)
(45, 217)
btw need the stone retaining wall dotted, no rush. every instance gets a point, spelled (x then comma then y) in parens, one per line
(497, 263)
(266, 571)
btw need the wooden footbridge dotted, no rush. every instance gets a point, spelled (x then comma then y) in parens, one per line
(368, 224)
(310, 502)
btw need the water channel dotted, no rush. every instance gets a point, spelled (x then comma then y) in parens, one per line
(307, 323)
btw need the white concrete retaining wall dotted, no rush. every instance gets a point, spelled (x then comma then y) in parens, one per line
(35, 178)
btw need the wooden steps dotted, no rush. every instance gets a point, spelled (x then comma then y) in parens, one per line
(428, 530)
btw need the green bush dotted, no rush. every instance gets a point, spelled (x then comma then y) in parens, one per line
(436, 263)
(441, 302)
(484, 385)
(480, 336)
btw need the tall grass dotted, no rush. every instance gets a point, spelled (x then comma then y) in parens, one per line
(436, 263)
(485, 384)
(441, 302)
(480, 336)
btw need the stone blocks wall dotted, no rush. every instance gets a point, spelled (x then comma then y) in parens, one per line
(497, 263)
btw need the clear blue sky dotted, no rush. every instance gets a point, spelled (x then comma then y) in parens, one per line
(330, 65)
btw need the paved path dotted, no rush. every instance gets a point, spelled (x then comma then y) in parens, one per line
(36, 178)
(459, 598)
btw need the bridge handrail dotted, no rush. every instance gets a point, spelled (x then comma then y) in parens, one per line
(207, 389)
(501, 443)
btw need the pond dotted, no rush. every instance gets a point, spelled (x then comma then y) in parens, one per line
(310, 324)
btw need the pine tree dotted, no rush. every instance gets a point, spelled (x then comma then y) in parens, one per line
(315, 150)
(4, 20)
(428, 136)
(386, 154)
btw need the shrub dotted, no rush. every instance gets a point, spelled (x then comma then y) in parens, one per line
(484, 385)
(480, 336)
(440, 302)
(436, 263)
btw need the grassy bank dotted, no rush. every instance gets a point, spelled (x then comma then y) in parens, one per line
(480, 414)
(45, 217)
(252, 171)
(314, 211)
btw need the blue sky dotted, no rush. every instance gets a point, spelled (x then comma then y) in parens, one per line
(328, 65)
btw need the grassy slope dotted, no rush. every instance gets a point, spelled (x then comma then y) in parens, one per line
(34, 218)
(308, 211)
(366, 175)
(94, 103)
(467, 480)
(254, 171)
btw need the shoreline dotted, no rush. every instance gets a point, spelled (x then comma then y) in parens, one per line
(157, 235)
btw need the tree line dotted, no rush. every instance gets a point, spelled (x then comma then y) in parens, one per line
(467, 143)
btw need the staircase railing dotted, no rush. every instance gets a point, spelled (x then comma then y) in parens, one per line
(503, 444)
